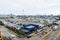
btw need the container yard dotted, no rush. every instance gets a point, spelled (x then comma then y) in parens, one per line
(29, 19)
(29, 30)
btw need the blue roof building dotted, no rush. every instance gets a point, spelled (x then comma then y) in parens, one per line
(28, 28)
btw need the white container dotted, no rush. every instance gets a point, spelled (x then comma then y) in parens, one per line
(55, 27)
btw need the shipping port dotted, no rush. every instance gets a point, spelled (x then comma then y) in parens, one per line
(29, 19)
(23, 28)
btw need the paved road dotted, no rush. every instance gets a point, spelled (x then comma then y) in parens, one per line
(6, 33)
(52, 36)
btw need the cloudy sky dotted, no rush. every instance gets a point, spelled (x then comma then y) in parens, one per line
(30, 7)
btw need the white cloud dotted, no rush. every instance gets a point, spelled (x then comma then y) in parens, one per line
(30, 6)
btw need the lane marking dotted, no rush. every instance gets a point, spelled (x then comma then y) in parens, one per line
(45, 35)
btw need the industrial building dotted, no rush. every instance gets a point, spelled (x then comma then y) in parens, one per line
(29, 28)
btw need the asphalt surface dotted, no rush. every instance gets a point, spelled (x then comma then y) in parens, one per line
(52, 36)
(7, 33)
